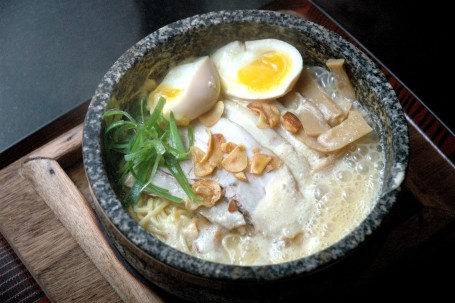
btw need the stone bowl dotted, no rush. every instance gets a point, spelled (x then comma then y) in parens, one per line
(195, 279)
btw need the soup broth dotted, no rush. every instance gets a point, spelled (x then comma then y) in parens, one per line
(281, 172)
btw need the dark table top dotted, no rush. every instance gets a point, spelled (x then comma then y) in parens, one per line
(53, 54)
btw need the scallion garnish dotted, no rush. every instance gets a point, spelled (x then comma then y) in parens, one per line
(145, 145)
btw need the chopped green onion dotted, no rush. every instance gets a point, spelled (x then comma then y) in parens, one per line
(174, 167)
(119, 123)
(114, 112)
(190, 137)
(146, 145)
(156, 114)
(176, 140)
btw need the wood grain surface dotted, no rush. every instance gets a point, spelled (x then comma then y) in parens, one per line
(67, 202)
(44, 245)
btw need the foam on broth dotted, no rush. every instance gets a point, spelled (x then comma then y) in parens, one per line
(336, 200)
(311, 202)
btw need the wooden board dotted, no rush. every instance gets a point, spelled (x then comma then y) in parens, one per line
(419, 237)
(48, 250)
(57, 259)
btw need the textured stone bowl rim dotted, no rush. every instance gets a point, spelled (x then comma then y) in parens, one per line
(158, 250)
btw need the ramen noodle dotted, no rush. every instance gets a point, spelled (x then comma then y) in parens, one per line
(284, 159)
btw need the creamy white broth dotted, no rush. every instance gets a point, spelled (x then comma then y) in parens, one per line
(315, 196)
(297, 212)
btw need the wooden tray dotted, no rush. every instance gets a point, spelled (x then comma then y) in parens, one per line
(418, 239)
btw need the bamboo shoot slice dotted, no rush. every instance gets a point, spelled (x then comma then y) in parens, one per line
(309, 88)
(313, 121)
(348, 131)
(343, 84)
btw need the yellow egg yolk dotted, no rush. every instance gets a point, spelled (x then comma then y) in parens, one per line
(169, 93)
(265, 72)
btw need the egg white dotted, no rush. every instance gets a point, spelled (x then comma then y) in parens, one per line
(190, 90)
(235, 57)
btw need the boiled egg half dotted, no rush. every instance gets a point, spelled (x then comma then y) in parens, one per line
(190, 90)
(258, 70)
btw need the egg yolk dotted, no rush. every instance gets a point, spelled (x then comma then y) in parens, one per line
(169, 93)
(265, 72)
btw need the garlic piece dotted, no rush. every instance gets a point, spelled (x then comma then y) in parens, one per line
(208, 190)
(205, 164)
(228, 147)
(259, 162)
(269, 115)
(213, 115)
(291, 122)
(241, 176)
(200, 169)
(275, 163)
(214, 154)
(236, 161)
